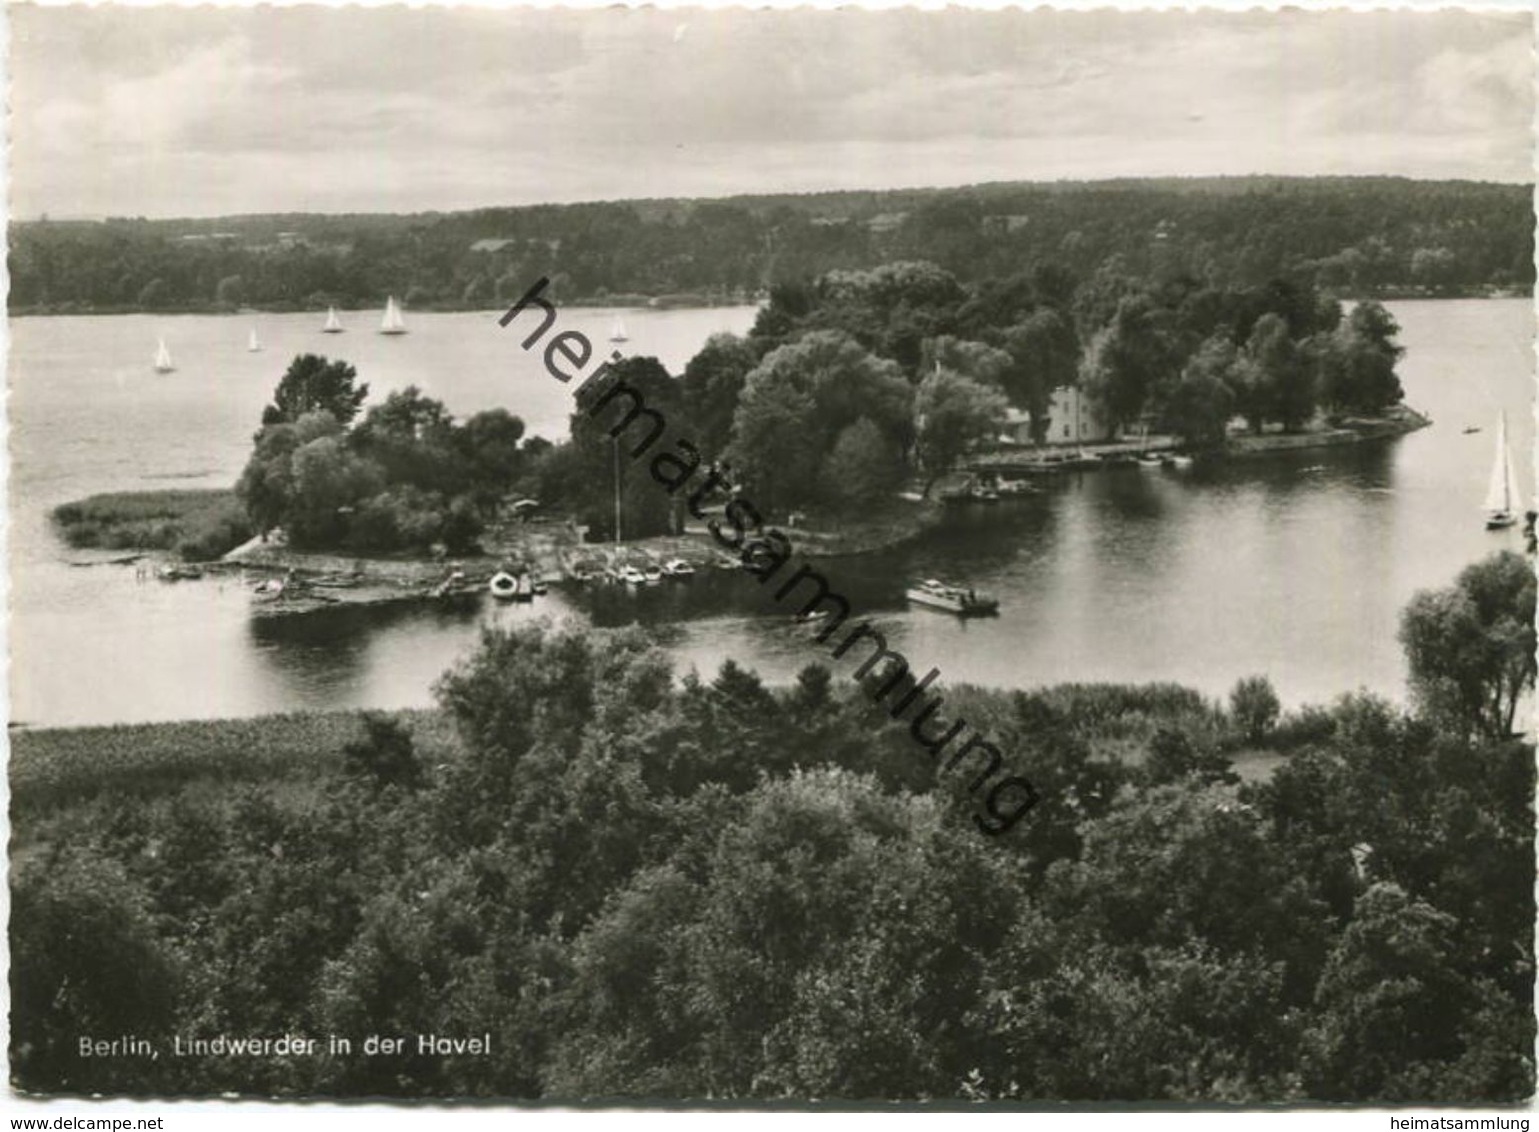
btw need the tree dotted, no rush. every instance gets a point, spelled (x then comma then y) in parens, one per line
(711, 387)
(798, 401)
(1358, 362)
(1200, 405)
(1395, 1011)
(951, 413)
(328, 481)
(266, 486)
(600, 457)
(312, 383)
(1133, 360)
(864, 465)
(1470, 647)
(1254, 706)
(412, 438)
(86, 960)
(490, 441)
(1283, 373)
(1045, 350)
(973, 360)
(827, 944)
(385, 756)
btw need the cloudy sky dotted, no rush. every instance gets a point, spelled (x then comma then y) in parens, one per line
(207, 111)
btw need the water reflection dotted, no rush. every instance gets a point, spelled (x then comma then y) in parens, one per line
(1295, 565)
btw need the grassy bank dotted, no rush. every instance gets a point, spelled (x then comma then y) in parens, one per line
(67, 766)
(59, 768)
(197, 525)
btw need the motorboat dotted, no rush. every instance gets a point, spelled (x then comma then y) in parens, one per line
(631, 576)
(503, 586)
(652, 573)
(678, 568)
(953, 599)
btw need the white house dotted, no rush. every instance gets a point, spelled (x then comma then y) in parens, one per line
(1072, 418)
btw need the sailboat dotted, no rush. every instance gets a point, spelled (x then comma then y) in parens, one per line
(252, 344)
(333, 323)
(392, 323)
(617, 331)
(163, 359)
(1502, 503)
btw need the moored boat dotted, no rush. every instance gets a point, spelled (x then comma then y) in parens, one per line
(450, 585)
(1015, 487)
(632, 576)
(953, 599)
(524, 589)
(504, 586)
(269, 590)
(678, 568)
(652, 573)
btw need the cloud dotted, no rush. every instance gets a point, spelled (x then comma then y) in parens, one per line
(206, 110)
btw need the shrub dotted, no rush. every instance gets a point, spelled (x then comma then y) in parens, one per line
(198, 524)
(213, 533)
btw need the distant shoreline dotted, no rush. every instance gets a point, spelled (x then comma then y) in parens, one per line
(592, 302)
(619, 302)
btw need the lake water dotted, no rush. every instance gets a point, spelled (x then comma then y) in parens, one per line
(1295, 566)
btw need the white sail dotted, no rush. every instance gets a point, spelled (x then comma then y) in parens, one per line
(252, 343)
(393, 323)
(163, 358)
(333, 323)
(1501, 494)
(617, 331)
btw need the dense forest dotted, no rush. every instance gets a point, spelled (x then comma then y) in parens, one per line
(1355, 236)
(645, 886)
